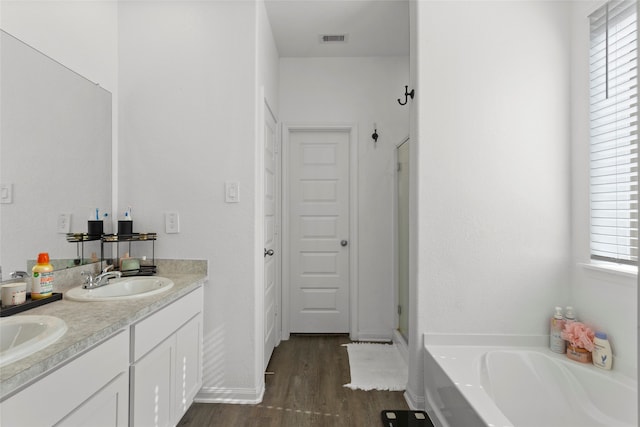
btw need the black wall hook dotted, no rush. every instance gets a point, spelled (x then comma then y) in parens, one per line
(407, 94)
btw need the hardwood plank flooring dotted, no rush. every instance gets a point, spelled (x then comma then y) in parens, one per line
(306, 390)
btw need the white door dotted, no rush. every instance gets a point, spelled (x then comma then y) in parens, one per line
(271, 249)
(319, 231)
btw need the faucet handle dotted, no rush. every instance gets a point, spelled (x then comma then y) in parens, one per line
(89, 278)
(18, 274)
(107, 268)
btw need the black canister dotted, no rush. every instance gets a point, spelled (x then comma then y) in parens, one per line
(125, 227)
(94, 228)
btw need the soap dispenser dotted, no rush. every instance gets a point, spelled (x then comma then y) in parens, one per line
(569, 315)
(556, 343)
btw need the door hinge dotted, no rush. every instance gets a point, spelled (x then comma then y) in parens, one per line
(399, 309)
(399, 166)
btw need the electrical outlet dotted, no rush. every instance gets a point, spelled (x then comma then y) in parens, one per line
(64, 223)
(172, 222)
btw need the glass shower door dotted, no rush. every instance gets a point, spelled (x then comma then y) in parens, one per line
(403, 238)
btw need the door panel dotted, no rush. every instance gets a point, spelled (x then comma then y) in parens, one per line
(319, 222)
(270, 236)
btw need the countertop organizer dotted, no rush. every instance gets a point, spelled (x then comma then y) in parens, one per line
(80, 238)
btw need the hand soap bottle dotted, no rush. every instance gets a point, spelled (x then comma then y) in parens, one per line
(601, 355)
(556, 343)
(569, 315)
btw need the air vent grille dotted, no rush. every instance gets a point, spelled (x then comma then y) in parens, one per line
(333, 38)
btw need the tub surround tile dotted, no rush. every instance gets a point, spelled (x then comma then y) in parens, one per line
(89, 323)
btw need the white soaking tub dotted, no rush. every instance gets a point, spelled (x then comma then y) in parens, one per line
(500, 386)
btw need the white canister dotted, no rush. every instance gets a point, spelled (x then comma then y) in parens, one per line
(13, 294)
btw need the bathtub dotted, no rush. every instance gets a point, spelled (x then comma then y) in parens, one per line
(523, 386)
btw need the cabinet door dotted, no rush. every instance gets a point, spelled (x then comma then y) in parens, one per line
(152, 387)
(188, 365)
(65, 390)
(106, 408)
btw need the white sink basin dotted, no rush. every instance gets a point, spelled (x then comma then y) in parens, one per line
(21, 336)
(123, 288)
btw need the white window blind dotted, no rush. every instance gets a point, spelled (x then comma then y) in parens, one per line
(613, 132)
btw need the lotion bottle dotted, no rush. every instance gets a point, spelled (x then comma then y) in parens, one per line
(569, 315)
(556, 343)
(601, 355)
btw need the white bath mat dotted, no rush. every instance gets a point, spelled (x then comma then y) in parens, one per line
(376, 367)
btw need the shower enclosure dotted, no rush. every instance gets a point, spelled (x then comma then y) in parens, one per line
(402, 262)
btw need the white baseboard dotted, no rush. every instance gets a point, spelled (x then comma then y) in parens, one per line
(401, 344)
(416, 403)
(372, 336)
(241, 396)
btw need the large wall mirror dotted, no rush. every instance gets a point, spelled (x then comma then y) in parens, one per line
(55, 157)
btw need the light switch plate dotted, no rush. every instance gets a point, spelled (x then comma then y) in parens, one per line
(6, 193)
(232, 192)
(64, 223)
(172, 222)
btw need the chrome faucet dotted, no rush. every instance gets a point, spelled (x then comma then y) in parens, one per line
(18, 275)
(101, 279)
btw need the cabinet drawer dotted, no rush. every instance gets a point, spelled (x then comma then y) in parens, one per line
(151, 331)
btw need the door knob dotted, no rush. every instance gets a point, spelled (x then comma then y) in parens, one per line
(268, 252)
(344, 243)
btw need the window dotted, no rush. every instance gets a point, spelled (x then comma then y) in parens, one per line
(613, 133)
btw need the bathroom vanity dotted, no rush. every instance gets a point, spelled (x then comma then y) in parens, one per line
(135, 362)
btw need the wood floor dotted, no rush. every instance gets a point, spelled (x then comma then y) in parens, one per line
(306, 390)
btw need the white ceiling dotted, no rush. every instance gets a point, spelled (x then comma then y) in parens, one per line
(373, 27)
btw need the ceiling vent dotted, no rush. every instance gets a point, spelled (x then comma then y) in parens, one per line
(333, 38)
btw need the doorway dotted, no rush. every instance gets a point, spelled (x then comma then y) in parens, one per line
(318, 234)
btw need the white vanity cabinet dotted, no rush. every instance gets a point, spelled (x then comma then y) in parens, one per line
(166, 362)
(92, 389)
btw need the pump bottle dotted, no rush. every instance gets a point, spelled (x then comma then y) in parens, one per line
(556, 343)
(569, 315)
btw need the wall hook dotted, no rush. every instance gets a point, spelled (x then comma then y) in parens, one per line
(407, 94)
(375, 135)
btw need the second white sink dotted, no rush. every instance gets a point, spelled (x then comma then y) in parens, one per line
(21, 336)
(123, 288)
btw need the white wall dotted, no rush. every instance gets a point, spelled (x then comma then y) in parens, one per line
(187, 105)
(607, 301)
(494, 169)
(81, 35)
(359, 91)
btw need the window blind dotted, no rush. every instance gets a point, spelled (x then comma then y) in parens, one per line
(613, 132)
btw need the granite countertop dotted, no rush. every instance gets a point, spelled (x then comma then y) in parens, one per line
(90, 323)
